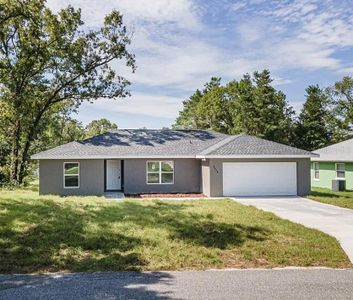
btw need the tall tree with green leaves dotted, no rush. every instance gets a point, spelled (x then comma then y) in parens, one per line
(62, 130)
(259, 109)
(313, 128)
(211, 109)
(273, 116)
(48, 62)
(251, 105)
(241, 106)
(100, 126)
(343, 90)
(190, 117)
(342, 98)
(187, 118)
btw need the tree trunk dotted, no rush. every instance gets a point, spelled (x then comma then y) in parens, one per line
(25, 153)
(15, 153)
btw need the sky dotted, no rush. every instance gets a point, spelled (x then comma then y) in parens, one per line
(180, 44)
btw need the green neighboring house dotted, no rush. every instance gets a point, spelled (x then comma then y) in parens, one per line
(334, 162)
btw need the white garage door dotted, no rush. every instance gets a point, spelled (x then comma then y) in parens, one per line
(259, 178)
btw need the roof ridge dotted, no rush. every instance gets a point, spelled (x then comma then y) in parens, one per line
(221, 143)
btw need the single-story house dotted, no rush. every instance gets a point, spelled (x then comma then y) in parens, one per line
(334, 162)
(174, 161)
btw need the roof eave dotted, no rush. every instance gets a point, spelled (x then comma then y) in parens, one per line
(331, 159)
(35, 157)
(256, 156)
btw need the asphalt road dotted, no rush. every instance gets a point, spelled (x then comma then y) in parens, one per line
(236, 284)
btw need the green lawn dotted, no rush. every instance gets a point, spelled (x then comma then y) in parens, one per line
(49, 233)
(343, 199)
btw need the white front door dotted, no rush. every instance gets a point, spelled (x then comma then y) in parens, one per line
(113, 174)
(259, 178)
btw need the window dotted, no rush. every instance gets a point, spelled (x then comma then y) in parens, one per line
(340, 171)
(71, 175)
(316, 170)
(160, 172)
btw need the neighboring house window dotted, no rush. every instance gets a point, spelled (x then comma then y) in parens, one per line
(160, 172)
(316, 171)
(71, 175)
(340, 170)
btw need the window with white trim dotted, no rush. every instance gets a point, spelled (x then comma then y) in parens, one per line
(160, 172)
(340, 171)
(316, 170)
(71, 175)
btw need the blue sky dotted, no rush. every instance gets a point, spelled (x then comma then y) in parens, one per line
(180, 44)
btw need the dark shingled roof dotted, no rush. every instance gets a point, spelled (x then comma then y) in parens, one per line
(167, 143)
(137, 142)
(250, 145)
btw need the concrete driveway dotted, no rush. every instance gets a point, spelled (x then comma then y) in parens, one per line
(333, 220)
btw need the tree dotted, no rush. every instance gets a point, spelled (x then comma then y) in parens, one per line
(250, 106)
(187, 118)
(191, 116)
(98, 127)
(258, 109)
(342, 98)
(5, 151)
(313, 125)
(273, 116)
(48, 63)
(64, 130)
(211, 109)
(242, 110)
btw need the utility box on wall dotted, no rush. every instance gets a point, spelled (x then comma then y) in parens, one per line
(338, 185)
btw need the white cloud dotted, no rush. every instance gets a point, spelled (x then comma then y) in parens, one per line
(298, 53)
(250, 31)
(143, 104)
(181, 13)
(320, 28)
(177, 46)
(184, 67)
(299, 34)
(184, 60)
(281, 81)
(346, 70)
(238, 5)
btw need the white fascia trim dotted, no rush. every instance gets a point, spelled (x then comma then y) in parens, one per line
(252, 156)
(112, 157)
(318, 159)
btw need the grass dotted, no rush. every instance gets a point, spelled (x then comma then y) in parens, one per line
(343, 199)
(49, 234)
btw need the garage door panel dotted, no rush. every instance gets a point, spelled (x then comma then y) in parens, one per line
(259, 178)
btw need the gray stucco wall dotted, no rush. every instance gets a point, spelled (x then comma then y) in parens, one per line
(91, 177)
(187, 177)
(215, 169)
(190, 176)
(205, 177)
